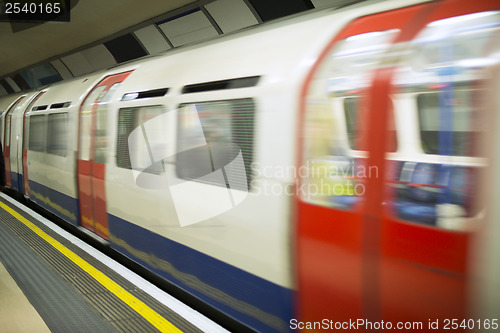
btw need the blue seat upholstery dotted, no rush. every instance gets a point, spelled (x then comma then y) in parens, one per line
(416, 201)
(427, 186)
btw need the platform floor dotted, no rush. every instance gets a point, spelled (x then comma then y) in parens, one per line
(17, 315)
(50, 281)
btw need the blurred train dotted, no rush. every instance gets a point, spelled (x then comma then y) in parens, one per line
(335, 169)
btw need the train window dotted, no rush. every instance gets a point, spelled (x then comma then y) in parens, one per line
(139, 141)
(351, 112)
(39, 108)
(446, 133)
(144, 94)
(334, 161)
(215, 142)
(57, 134)
(243, 82)
(60, 105)
(37, 133)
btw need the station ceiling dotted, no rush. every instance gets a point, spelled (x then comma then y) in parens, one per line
(23, 44)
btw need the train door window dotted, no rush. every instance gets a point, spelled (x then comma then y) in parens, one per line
(57, 133)
(444, 75)
(86, 123)
(26, 134)
(101, 132)
(26, 123)
(142, 139)
(8, 120)
(216, 136)
(37, 133)
(351, 106)
(334, 157)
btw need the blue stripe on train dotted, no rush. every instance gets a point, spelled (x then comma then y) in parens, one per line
(61, 205)
(17, 182)
(258, 303)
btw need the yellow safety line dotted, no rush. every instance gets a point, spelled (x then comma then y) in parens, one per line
(149, 314)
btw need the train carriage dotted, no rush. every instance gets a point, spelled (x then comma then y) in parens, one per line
(12, 141)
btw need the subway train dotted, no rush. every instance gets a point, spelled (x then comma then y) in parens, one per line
(331, 170)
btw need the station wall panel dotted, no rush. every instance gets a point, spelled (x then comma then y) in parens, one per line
(2, 90)
(125, 48)
(231, 15)
(84, 62)
(189, 28)
(61, 69)
(152, 39)
(13, 84)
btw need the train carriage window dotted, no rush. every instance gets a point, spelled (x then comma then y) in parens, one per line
(451, 132)
(334, 163)
(144, 94)
(60, 105)
(37, 133)
(57, 134)
(351, 106)
(215, 136)
(142, 139)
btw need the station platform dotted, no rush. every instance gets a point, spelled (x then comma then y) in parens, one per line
(51, 281)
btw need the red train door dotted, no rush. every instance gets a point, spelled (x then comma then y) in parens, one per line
(359, 255)
(6, 140)
(334, 234)
(92, 155)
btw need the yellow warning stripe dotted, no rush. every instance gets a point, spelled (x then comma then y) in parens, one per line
(149, 314)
